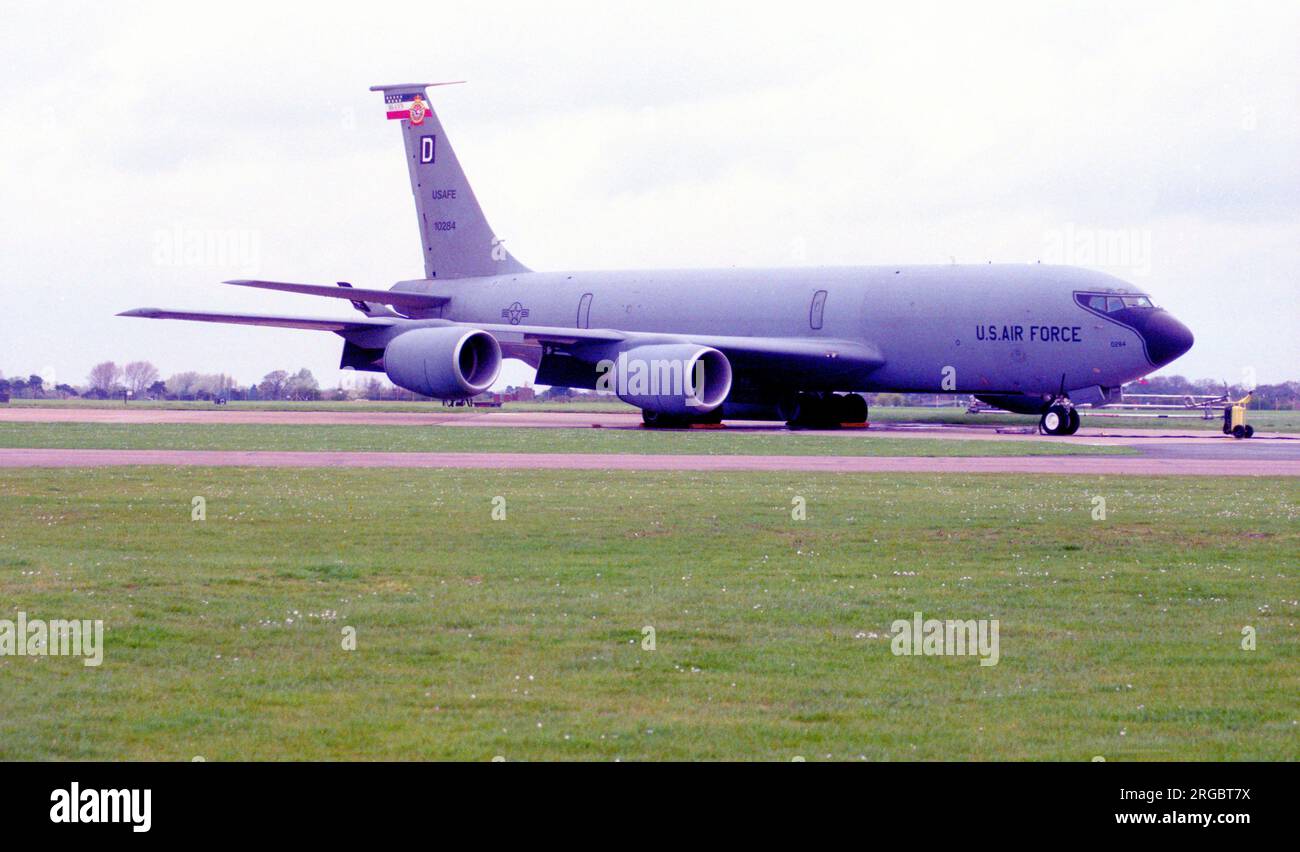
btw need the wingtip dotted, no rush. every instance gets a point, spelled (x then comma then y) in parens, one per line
(139, 312)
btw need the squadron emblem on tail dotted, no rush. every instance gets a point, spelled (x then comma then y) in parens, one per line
(418, 110)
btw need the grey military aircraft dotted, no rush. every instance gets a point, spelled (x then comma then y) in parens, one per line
(695, 346)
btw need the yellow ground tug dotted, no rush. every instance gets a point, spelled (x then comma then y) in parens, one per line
(1234, 418)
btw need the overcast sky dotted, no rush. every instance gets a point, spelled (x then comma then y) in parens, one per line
(613, 135)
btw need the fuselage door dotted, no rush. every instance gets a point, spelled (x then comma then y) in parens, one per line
(816, 310)
(584, 311)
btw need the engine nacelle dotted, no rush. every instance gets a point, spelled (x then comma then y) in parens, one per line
(669, 378)
(444, 362)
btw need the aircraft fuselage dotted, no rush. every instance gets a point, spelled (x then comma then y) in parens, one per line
(992, 329)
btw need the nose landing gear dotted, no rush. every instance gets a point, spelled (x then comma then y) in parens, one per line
(1061, 418)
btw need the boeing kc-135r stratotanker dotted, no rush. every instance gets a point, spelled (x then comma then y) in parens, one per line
(690, 346)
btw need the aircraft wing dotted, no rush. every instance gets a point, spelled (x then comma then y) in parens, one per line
(760, 348)
(774, 356)
(396, 298)
(775, 352)
(311, 323)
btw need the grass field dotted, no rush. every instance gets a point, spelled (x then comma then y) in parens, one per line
(1264, 421)
(521, 637)
(192, 436)
(423, 407)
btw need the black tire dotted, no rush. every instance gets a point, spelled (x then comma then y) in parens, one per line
(1055, 421)
(1250, 431)
(793, 411)
(1075, 421)
(656, 420)
(853, 408)
(1238, 432)
(810, 412)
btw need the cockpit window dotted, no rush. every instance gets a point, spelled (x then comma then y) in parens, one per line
(1108, 304)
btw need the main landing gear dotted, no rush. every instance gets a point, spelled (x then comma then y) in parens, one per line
(826, 410)
(656, 420)
(1061, 418)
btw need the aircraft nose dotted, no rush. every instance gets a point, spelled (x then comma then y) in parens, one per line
(1166, 338)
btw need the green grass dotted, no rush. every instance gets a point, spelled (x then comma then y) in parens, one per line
(521, 637)
(412, 438)
(367, 405)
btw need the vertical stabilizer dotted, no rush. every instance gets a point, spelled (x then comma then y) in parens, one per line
(456, 239)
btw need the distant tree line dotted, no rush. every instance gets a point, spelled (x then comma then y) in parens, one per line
(1284, 396)
(141, 380)
(34, 387)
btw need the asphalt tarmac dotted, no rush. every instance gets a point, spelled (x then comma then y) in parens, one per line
(1160, 452)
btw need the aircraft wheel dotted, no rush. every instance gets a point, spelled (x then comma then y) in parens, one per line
(1250, 431)
(1055, 421)
(853, 408)
(1238, 432)
(657, 420)
(1072, 425)
(809, 412)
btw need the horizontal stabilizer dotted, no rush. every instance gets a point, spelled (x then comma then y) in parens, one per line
(311, 323)
(396, 298)
(414, 86)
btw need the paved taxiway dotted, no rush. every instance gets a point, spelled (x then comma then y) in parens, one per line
(1161, 452)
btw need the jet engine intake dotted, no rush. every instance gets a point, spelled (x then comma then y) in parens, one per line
(671, 378)
(445, 362)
